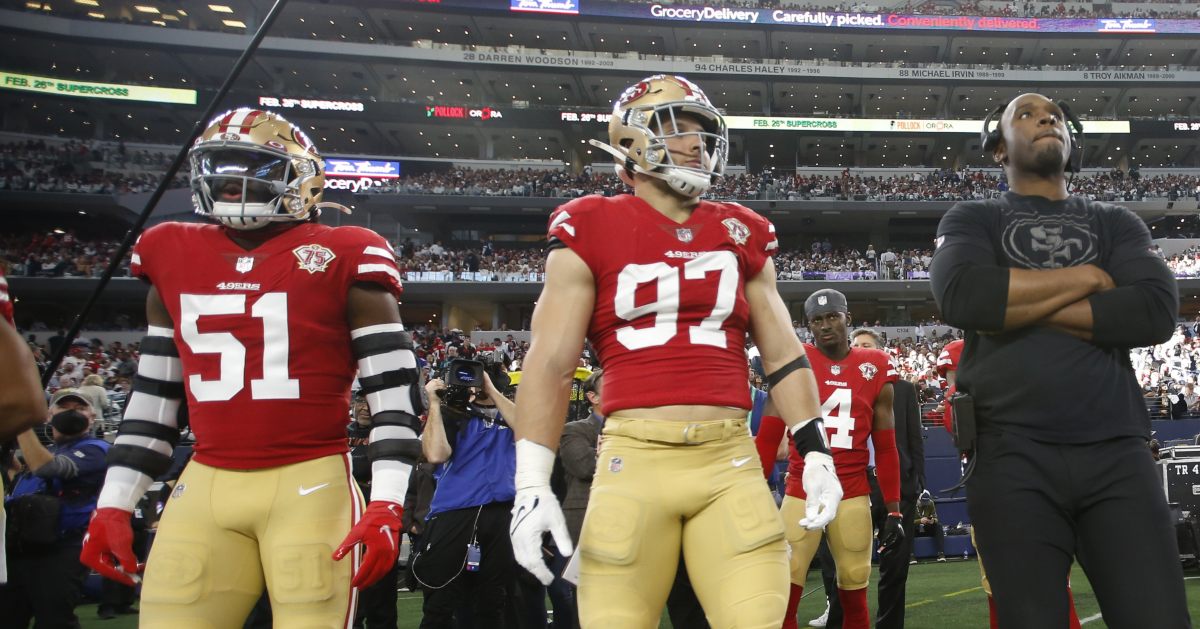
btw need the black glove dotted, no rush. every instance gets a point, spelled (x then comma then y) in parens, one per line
(892, 534)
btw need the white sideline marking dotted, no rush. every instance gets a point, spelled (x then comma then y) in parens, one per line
(1084, 621)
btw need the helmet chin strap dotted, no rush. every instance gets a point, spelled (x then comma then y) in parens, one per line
(688, 185)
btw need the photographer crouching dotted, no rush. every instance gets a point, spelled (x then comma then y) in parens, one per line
(466, 559)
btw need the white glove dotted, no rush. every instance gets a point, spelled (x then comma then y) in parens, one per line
(536, 511)
(823, 490)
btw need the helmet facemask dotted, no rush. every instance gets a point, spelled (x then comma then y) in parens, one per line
(252, 167)
(246, 186)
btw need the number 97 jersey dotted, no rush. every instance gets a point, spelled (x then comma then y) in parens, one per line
(262, 335)
(671, 316)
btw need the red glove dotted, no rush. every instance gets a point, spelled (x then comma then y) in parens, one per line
(379, 531)
(108, 546)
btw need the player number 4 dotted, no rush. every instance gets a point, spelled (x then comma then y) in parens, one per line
(666, 307)
(836, 411)
(272, 308)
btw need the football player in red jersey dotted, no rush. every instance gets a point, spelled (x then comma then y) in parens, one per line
(947, 367)
(666, 286)
(22, 401)
(261, 322)
(856, 393)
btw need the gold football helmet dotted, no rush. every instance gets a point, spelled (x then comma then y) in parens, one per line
(251, 167)
(638, 142)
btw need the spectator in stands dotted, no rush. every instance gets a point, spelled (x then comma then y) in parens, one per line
(887, 264)
(93, 388)
(927, 525)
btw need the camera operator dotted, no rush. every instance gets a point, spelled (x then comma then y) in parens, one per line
(466, 554)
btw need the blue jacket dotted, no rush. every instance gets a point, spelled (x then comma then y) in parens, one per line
(77, 494)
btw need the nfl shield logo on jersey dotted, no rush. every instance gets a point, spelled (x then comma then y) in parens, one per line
(835, 369)
(868, 371)
(684, 234)
(738, 232)
(244, 264)
(313, 258)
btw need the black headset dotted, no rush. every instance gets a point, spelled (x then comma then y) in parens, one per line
(990, 138)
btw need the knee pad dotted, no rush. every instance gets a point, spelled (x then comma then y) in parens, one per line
(852, 548)
(856, 577)
(302, 573)
(765, 611)
(613, 528)
(177, 574)
(750, 517)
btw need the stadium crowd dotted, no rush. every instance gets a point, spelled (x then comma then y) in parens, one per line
(80, 167)
(109, 168)
(65, 254)
(940, 185)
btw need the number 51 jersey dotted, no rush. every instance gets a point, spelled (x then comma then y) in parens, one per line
(670, 317)
(262, 334)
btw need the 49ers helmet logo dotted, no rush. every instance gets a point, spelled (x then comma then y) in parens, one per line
(641, 88)
(313, 258)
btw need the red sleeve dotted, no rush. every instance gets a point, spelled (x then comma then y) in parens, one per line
(6, 309)
(374, 261)
(762, 243)
(948, 359)
(887, 366)
(948, 414)
(770, 432)
(570, 227)
(887, 463)
(141, 259)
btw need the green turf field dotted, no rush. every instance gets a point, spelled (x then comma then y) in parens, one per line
(940, 596)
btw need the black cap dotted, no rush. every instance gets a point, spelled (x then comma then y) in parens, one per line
(825, 301)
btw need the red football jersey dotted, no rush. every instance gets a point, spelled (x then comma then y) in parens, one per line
(262, 334)
(6, 309)
(669, 296)
(948, 359)
(848, 390)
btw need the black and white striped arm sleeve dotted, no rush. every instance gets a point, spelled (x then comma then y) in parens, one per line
(387, 372)
(148, 433)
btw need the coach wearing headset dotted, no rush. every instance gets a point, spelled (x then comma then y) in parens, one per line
(1053, 290)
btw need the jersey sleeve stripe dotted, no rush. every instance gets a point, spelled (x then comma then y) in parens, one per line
(156, 330)
(380, 268)
(379, 251)
(376, 329)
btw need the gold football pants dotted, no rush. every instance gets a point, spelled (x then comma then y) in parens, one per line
(661, 486)
(226, 532)
(850, 536)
